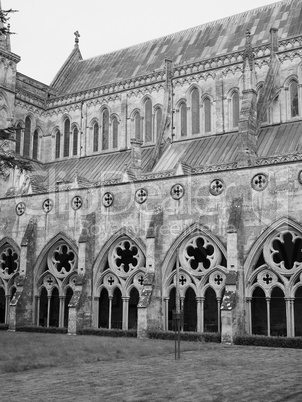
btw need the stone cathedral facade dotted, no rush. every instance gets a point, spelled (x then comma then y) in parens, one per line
(179, 155)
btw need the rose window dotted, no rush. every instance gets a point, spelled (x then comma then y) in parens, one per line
(259, 181)
(76, 202)
(216, 187)
(9, 262)
(126, 257)
(285, 250)
(199, 254)
(62, 260)
(177, 191)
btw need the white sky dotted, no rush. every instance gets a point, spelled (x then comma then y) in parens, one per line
(44, 28)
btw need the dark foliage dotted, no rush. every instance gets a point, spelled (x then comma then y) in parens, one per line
(186, 336)
(115, 333)
(270, 341)
(3, 327)
(50, 330)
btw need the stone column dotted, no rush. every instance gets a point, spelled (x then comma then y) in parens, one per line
(125, 312)
(110, 312)
(268, 313)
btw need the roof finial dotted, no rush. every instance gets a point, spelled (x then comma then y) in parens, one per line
(77, 35)
(248, 52)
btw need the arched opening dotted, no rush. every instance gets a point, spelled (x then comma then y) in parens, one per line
(35, 144)
(235, 109)
(137, 126)
(75, 141)
(195, 111)
(95, 137)
(210, 311)
(104, 309)
(183, 119)
(133, 302)
(148, 120)
(207, 115)
(105, 130)
(117, 309)
(54, 311)
(27, 133)
(114, 133)
(298, 312)
(159, 116)
(294, 100)
(58, 144)
(190, 311)
(2, 305)
(18, 139)
(68, 297)
(259, 312)
(43, 310)
(277, 313)
(66, 137)
(171, 308)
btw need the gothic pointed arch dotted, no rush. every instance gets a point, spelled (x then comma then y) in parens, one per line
(118, 276)
(201, 260)
(55, 271)
(273, 275)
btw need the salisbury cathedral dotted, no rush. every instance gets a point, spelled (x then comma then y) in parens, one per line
(169, 168)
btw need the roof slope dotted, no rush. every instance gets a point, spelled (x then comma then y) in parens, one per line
(199, 43)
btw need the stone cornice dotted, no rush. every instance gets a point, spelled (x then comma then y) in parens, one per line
(10, 56)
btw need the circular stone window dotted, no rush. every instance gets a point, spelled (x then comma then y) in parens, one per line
(259, 182)
(141, 195)
(216, 187)
(20, 208)
(76, 202)
(47, 205)
(177, 191)
(108, 199)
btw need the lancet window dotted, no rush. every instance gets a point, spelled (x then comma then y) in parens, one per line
(114, 132)
(66, 137)
(201, 281)
(75, 137)
(183, 119)
(195, 111)
(9, 270)
(274, 297)
(95, 137)
(27, 135)
(55, 285)
(294, 98)
(207, 112)
(235, 109)
(18, 139)
(35, 144)
(105, 129)
(58, 144)
(148, 121)
(119, 285)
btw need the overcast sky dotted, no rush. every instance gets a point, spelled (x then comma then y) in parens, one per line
(45, 28)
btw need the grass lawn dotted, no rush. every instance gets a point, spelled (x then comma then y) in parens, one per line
(52, 367)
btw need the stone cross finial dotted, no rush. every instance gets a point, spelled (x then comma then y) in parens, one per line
(77, 35)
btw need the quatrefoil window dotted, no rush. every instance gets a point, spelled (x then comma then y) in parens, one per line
(9, 262)
(286, 250)
(62, 260)
(259, 181)
(216, 187)
(20, 208)
(199, 254)
(76, 202)
(125, 257)
(177, 191)
(47, 205)
(108, 199)
(141, 196)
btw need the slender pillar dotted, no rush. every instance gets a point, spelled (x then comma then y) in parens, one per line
(7, 300)
(218, 313)
(292, 313)
(268, 300)
(110, 311)
(249, 315)
(199, 313)
(38, 310)
(166, 314)
(182, 300)
(62, 311)
(48, 310)
(96, 307)
(125, 312)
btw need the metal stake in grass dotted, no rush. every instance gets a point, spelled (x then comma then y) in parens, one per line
(177, 313)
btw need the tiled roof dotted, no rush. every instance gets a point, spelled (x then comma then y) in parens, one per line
(281, 139)
(199, 43)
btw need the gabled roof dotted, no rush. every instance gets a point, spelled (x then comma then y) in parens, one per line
(200, 43)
